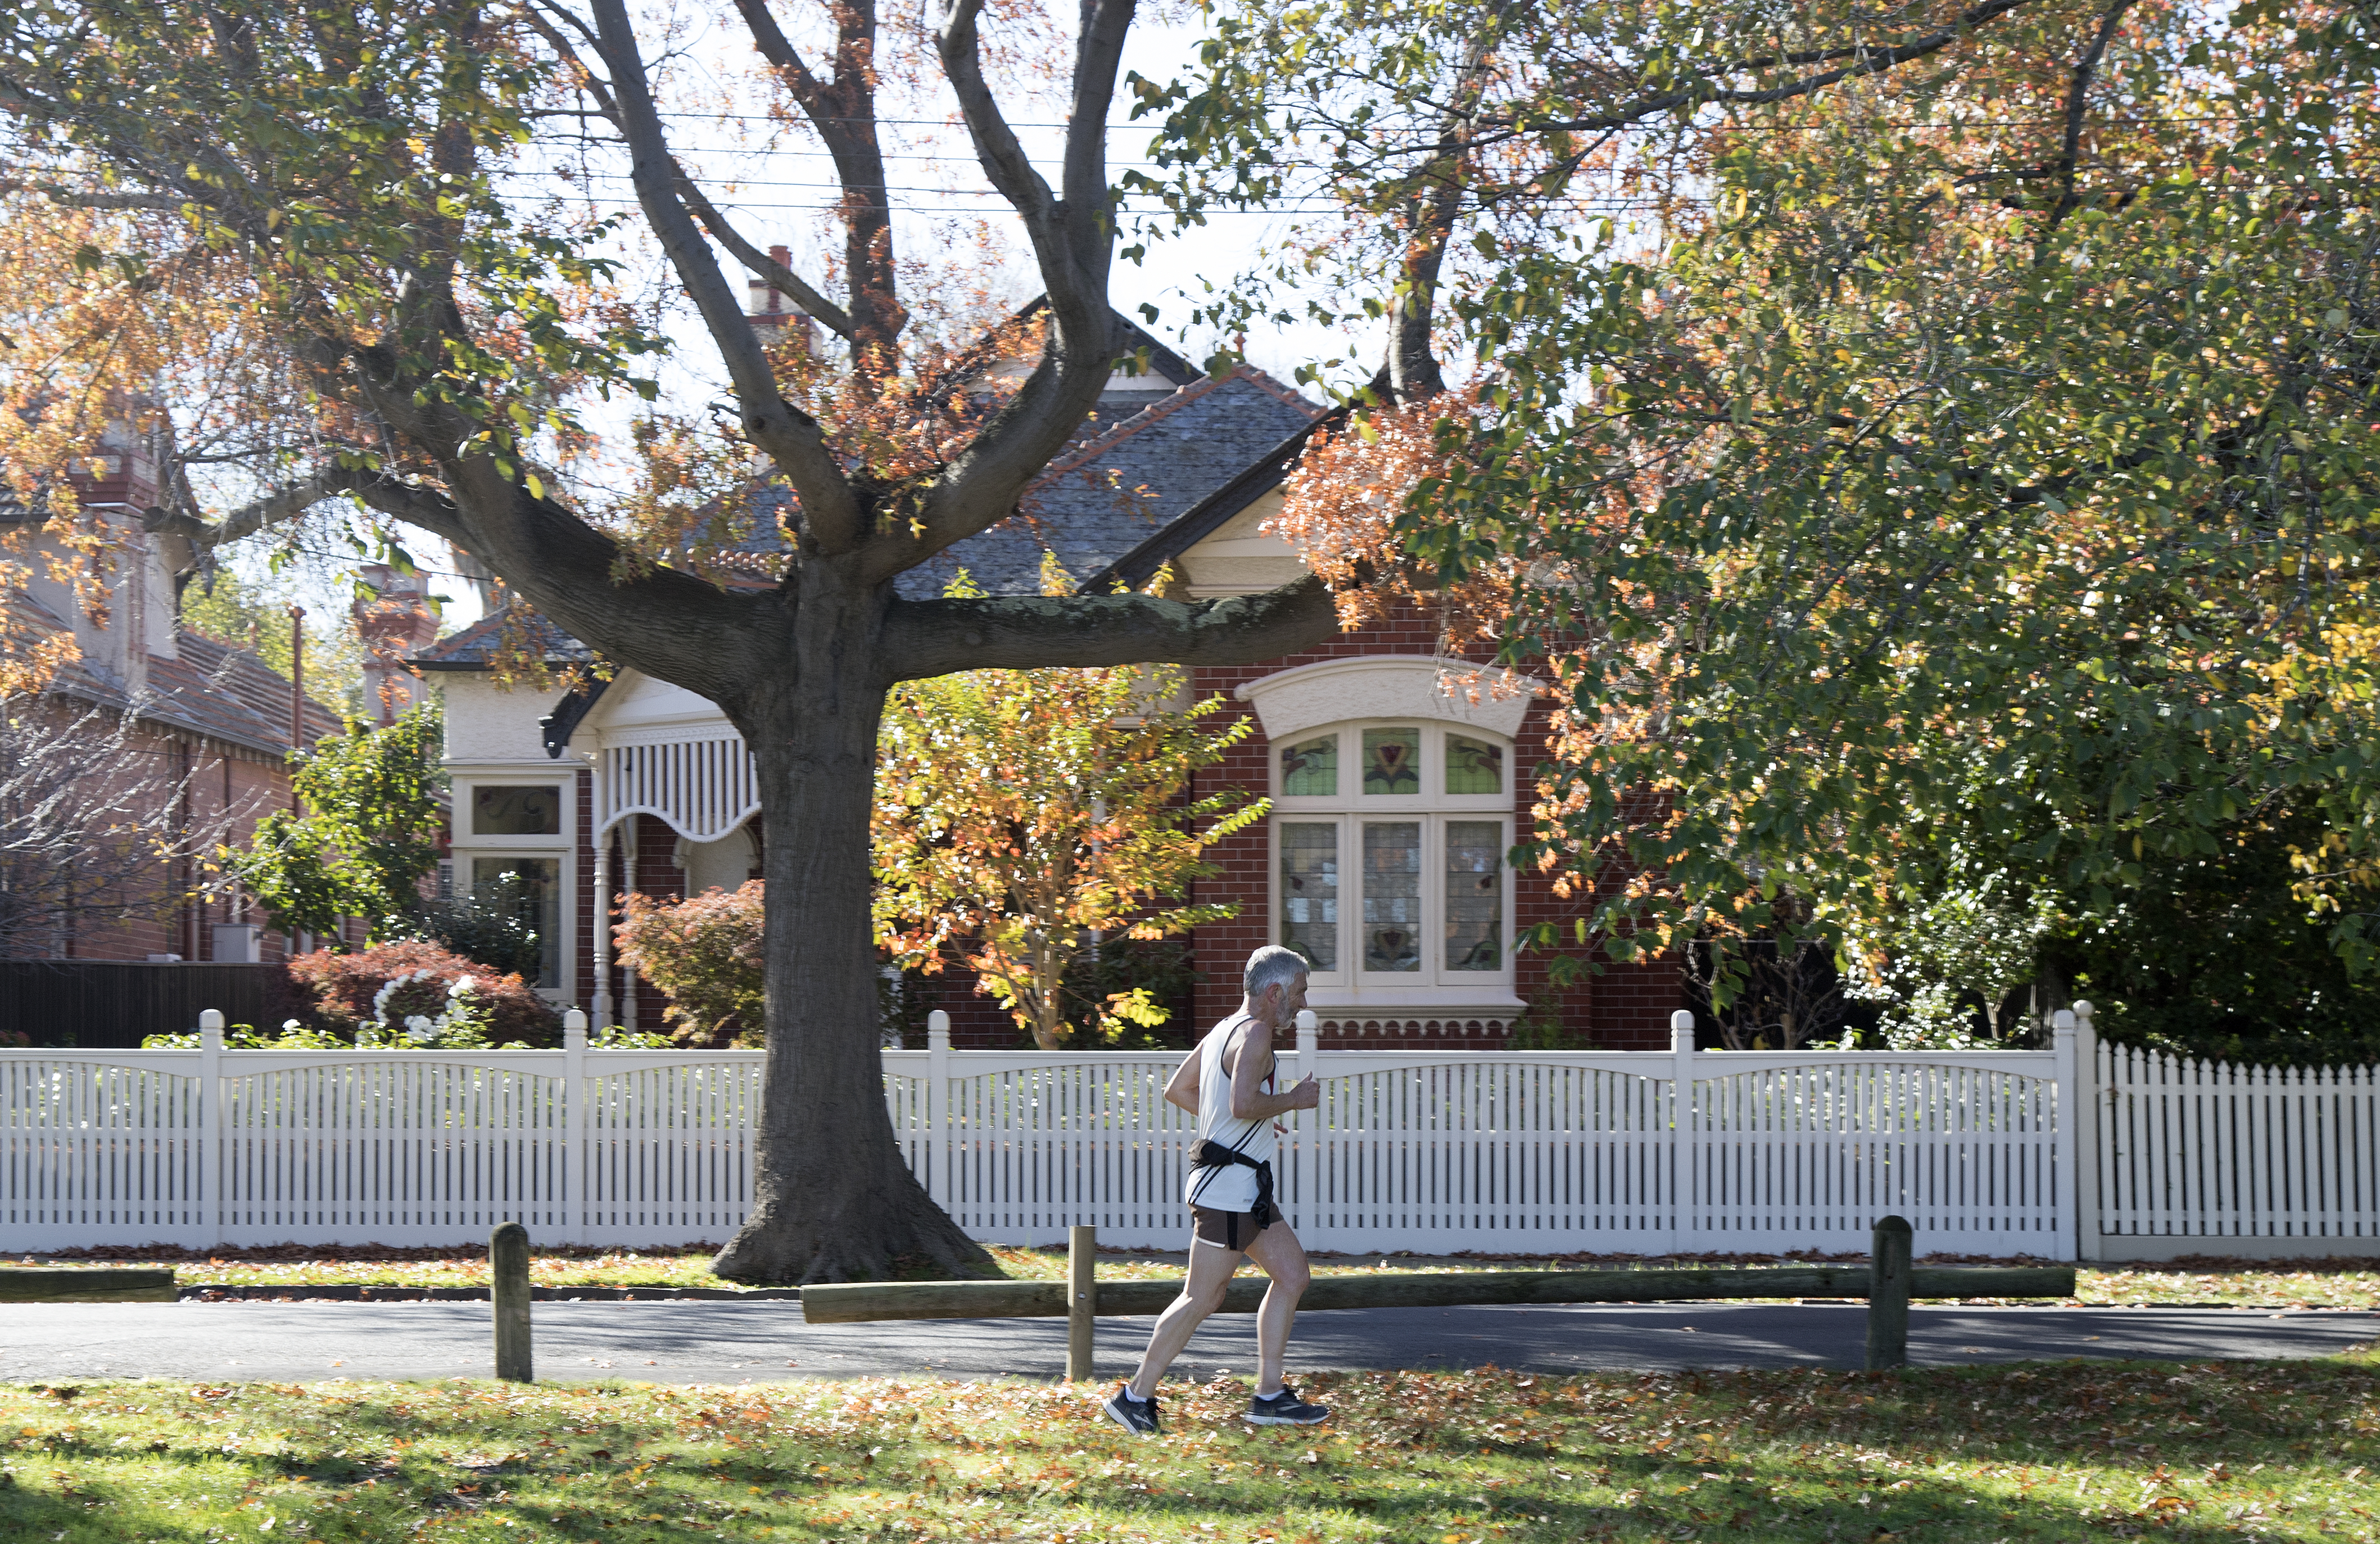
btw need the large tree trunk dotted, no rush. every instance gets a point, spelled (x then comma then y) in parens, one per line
(832, 1200)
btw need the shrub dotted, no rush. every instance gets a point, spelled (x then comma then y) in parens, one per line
(349, 993)
(494, 924)
(704, 952)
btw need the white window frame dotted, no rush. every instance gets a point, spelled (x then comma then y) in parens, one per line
(1433, 985)
(467, 848)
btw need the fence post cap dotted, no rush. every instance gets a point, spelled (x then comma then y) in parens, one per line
(573, 1029)
(2063, 1021)
(938, 1030)
(1682, 1019)
(2083, 1011)
(210, 1028)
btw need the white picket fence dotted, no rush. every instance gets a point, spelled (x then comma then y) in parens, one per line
(2208, 1151)
(1646, 1152)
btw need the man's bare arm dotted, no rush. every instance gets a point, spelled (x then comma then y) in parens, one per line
(1182, 1089)
(1249, 1102)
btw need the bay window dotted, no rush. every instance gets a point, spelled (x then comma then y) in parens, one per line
(1388, 870)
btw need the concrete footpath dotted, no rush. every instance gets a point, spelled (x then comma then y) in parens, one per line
(733, 1343)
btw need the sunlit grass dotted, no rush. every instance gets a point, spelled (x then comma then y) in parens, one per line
(2050, 1451)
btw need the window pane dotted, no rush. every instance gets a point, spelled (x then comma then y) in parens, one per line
(539, 897)
(1392, 895)
(516, 811)
(1392, 760)
(1474, 766)
(1309, 892)
(1310, 768)
(1475, 894)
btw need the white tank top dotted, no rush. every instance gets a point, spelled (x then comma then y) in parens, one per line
(1226, 1186)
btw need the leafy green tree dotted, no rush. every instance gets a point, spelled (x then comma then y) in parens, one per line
(1024, 820)
(1899, 437)
(372, 806)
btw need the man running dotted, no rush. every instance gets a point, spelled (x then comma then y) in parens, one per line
(1228, 1082)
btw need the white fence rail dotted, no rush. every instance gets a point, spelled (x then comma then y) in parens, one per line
(1646, 1152)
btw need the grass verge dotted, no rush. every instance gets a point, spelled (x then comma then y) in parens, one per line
(2045, 1451)
(2340, 1283)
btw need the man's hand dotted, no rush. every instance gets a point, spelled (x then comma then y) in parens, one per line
(1307, 1094)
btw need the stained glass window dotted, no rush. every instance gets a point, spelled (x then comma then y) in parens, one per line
(1309, 891)
(1392, 760)
(1475, 894)
(1392, 895)
(1310, 767)
(1474, 766)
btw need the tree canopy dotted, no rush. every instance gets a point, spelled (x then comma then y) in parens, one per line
(1910, 442)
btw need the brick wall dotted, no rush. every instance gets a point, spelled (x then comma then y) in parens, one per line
(230, 788)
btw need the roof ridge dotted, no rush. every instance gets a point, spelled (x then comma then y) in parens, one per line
(1148, 417)
(1289, 395)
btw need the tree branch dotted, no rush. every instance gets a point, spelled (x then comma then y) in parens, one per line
(937, 637)
(2077, 96)
(1072, 242)
(1865, 60)
(281, 504)
(831, 513)
(780, 278)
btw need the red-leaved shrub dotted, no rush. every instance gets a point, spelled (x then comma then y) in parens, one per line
(344, 986)
(705, 951)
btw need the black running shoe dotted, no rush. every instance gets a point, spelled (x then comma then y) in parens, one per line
(1285, 1409)
(1135, 1416)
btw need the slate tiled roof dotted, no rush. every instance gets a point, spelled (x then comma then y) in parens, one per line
(1106, 497)
(476, 647)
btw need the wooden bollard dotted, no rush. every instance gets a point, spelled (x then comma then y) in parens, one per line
(508, 1271)
(1082, 1300)
(1887, 1294)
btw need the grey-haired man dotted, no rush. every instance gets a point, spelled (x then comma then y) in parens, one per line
(1227, 1081)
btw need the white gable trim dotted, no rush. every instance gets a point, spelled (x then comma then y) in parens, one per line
(1389, 687)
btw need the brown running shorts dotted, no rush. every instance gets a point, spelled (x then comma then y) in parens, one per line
(1232, 1230)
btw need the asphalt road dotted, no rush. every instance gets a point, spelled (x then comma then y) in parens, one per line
(731, 1343)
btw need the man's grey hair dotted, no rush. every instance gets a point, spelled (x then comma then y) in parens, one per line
(1272, 966)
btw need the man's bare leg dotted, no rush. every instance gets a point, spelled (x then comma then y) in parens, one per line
(1283, 1259)
(1202, 1293)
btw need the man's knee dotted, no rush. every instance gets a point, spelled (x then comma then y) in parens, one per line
(1292, 1278)
(1203, 1300)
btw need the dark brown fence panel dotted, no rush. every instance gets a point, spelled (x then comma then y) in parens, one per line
(112, 1003)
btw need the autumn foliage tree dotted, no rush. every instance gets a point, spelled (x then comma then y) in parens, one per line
(1025, 818)
(413, 330)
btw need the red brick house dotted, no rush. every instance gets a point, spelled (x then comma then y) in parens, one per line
(214, 729)
(1398, 784)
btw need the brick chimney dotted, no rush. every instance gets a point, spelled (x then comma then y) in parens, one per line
(772, 313)
(394, 621)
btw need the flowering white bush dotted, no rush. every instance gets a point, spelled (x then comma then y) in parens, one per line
(461, 1024)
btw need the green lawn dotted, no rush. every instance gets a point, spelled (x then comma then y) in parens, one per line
(2049, 1451)
(2337, 1284)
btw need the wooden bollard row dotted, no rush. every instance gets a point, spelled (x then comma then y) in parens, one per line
(1887, 1285)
